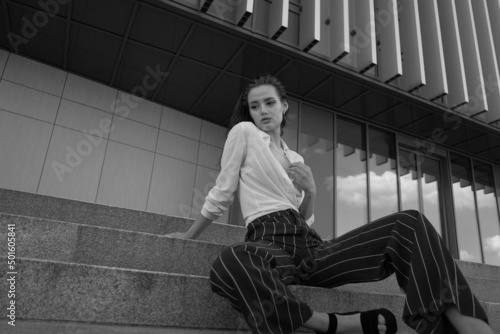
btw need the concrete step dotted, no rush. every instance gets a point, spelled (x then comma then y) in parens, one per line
(71, 327)
(76, 243)
(104, 235)
(61, 209)
(46, 239)
(64, 292)
(66, 210)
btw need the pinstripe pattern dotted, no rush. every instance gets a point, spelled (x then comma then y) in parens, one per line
(281, 249)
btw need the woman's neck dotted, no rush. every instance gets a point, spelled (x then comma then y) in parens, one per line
(275, 138)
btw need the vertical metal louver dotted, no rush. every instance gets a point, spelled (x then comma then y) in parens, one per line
(445, 51)
(454, 60)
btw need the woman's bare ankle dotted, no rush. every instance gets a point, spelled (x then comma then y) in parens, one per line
(349, 323)
(465, 324)
(319, 321)
(346, 323)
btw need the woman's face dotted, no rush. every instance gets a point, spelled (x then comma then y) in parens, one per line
(266, 108)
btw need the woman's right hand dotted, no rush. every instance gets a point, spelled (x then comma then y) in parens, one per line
(194, 231)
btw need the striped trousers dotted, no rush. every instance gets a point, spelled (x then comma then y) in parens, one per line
(281, 249)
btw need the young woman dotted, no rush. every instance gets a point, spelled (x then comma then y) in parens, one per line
(276, 191)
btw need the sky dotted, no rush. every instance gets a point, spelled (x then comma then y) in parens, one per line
(351, 194)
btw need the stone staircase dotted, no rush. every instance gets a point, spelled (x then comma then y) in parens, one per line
(86, 268)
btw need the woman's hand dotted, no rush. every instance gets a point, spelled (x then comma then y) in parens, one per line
(302, 176)
(200, 224)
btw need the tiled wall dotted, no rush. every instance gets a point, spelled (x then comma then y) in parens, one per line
(67, 136)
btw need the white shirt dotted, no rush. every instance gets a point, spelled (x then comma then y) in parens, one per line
(249, 167)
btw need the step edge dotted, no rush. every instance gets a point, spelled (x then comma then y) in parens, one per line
(195, 241)
(76, 202)
(109, 228)
(179, 275)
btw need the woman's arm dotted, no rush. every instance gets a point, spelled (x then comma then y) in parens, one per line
(302, 176)
(307, 206)
(222, 193)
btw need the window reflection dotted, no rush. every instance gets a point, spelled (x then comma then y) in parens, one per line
(408, 175)
(351, 176)
(316, 146)
(383, 182)
(431, 191)
(421, 185)
(496, 241)
(291, 130)
(488, 213)
(465, 209)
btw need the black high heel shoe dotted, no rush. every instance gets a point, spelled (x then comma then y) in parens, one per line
(369, 321)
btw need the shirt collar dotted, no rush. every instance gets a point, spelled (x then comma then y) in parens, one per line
(267, 139)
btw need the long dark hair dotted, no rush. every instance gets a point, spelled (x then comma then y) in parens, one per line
(241, 112)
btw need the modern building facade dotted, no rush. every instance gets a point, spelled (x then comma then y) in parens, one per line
(393, 104)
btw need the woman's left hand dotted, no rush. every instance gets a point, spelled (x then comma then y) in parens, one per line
(302, 176)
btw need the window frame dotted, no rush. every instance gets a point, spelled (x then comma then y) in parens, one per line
(423, 148)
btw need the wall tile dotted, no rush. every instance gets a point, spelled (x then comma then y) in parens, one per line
(213, 134)
(90, 93)
(171, 187)
(23, 146)
(28, 102)
(180, 123)
(35, 75)
(82, 118)
(73, 165)
(3, 60)
(209, 156)
(126, 176)
(176, 146)
(134, 133)
(144, 111)
(205, 180)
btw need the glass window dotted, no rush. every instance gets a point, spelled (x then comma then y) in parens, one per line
(408, 175)
(291, 130)
(421, 185)
(495, 246)
(488, 212)
(497, 183)
(431, 191)
(383, 178)
(465, 209)
(351, 209)
(316, 146)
